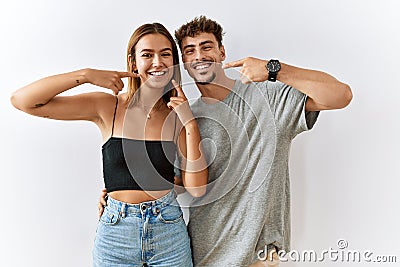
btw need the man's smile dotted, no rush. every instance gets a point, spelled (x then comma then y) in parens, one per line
(202, 65)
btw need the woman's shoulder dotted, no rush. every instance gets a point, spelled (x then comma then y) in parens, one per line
(102, 97)
(104, 101)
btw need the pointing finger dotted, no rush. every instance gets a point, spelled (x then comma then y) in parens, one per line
(125, 74)
(233, 64)
(178, 88)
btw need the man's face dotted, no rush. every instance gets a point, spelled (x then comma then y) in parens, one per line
(202, 57)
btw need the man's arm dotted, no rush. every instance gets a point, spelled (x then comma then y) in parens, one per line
(323, 90)
(102, 202)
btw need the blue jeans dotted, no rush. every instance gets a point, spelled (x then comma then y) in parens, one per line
(151, 233)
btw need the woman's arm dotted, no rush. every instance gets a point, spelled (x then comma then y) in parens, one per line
(41, 98)
(193, 164)
(194, 167)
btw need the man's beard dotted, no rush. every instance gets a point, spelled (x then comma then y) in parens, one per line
(208, 81)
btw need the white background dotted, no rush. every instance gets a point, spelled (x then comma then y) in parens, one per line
(344, 173)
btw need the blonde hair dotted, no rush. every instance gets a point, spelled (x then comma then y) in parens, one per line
(134, 83)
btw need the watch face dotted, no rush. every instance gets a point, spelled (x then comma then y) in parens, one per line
(273, 65)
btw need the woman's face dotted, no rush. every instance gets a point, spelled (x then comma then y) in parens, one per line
(154, 60)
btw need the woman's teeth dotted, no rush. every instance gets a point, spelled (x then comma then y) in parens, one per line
(157, 73)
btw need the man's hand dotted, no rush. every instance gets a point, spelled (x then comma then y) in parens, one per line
(102, 202)
(253, 69)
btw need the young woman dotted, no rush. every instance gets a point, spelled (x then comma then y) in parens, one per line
(143, 129)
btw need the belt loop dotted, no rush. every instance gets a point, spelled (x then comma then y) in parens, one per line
(122, 211)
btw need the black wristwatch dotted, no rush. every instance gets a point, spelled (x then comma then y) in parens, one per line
(273, 66)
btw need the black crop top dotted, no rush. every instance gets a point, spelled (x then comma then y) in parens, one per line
(130, 164)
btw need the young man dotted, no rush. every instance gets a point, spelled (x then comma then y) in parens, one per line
(251, 128)
(247, 130)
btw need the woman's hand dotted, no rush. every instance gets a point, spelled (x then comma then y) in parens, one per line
(108, 79)
(180, 105)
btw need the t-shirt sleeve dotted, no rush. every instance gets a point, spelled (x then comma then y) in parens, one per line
(288, 108)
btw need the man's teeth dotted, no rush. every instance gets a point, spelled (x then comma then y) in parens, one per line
(202, 66)
(157, 73)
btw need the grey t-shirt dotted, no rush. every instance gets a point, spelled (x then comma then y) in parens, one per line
(246, 139)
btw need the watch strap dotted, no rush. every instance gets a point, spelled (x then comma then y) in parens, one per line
(272, 76)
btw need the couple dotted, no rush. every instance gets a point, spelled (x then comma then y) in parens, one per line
(241, 202)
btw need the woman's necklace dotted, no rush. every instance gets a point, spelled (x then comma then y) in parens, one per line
(148, 110)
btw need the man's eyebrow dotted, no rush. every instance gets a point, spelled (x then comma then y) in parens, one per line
(200, 44)
(206, 42)
(187, 46)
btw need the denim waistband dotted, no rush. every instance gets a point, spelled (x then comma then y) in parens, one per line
(128, 208)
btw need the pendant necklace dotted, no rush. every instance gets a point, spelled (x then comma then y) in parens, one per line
(148, 110)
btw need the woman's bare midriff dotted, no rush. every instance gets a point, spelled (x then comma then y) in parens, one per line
(137, 196)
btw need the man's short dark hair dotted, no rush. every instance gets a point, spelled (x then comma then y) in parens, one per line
(197, 26)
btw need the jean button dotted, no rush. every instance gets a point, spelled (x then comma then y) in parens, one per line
(144, 208)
